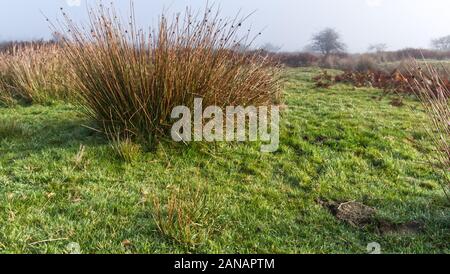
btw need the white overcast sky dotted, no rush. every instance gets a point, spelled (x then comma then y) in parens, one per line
(290, 23)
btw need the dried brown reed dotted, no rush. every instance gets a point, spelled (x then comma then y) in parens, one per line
(129, 80)
(434, 94)
(185, 217)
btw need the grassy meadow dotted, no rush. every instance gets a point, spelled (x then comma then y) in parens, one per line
(63, 183)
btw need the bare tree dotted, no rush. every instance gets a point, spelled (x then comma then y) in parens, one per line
(327, 42)
(380, 47)
(442, 43)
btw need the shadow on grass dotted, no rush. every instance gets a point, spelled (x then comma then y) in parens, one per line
(36, 131)
(34, 136)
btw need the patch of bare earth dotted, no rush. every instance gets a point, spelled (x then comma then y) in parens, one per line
(387, 228)
(360, 216)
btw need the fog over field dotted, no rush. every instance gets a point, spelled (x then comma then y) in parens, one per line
(288, 23)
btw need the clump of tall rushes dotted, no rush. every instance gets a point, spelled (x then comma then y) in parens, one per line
(434, 94)
(35, 73)
(129, 80)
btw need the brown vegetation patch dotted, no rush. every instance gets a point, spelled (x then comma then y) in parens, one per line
(353, 213)
(360, 216)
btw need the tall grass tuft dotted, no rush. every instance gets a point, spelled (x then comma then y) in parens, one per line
(34, 73)
(434, 94)
(129, 80)
(186, 216)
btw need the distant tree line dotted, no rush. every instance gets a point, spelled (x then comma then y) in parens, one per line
(442, 43)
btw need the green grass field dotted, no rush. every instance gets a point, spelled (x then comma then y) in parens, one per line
(342, 144)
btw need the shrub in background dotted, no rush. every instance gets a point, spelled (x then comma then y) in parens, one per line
(297, 59)
(408, 53)
(382, 60)
(366, 63)
(356, 62)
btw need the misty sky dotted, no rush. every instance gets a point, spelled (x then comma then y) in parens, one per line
(288, 23)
